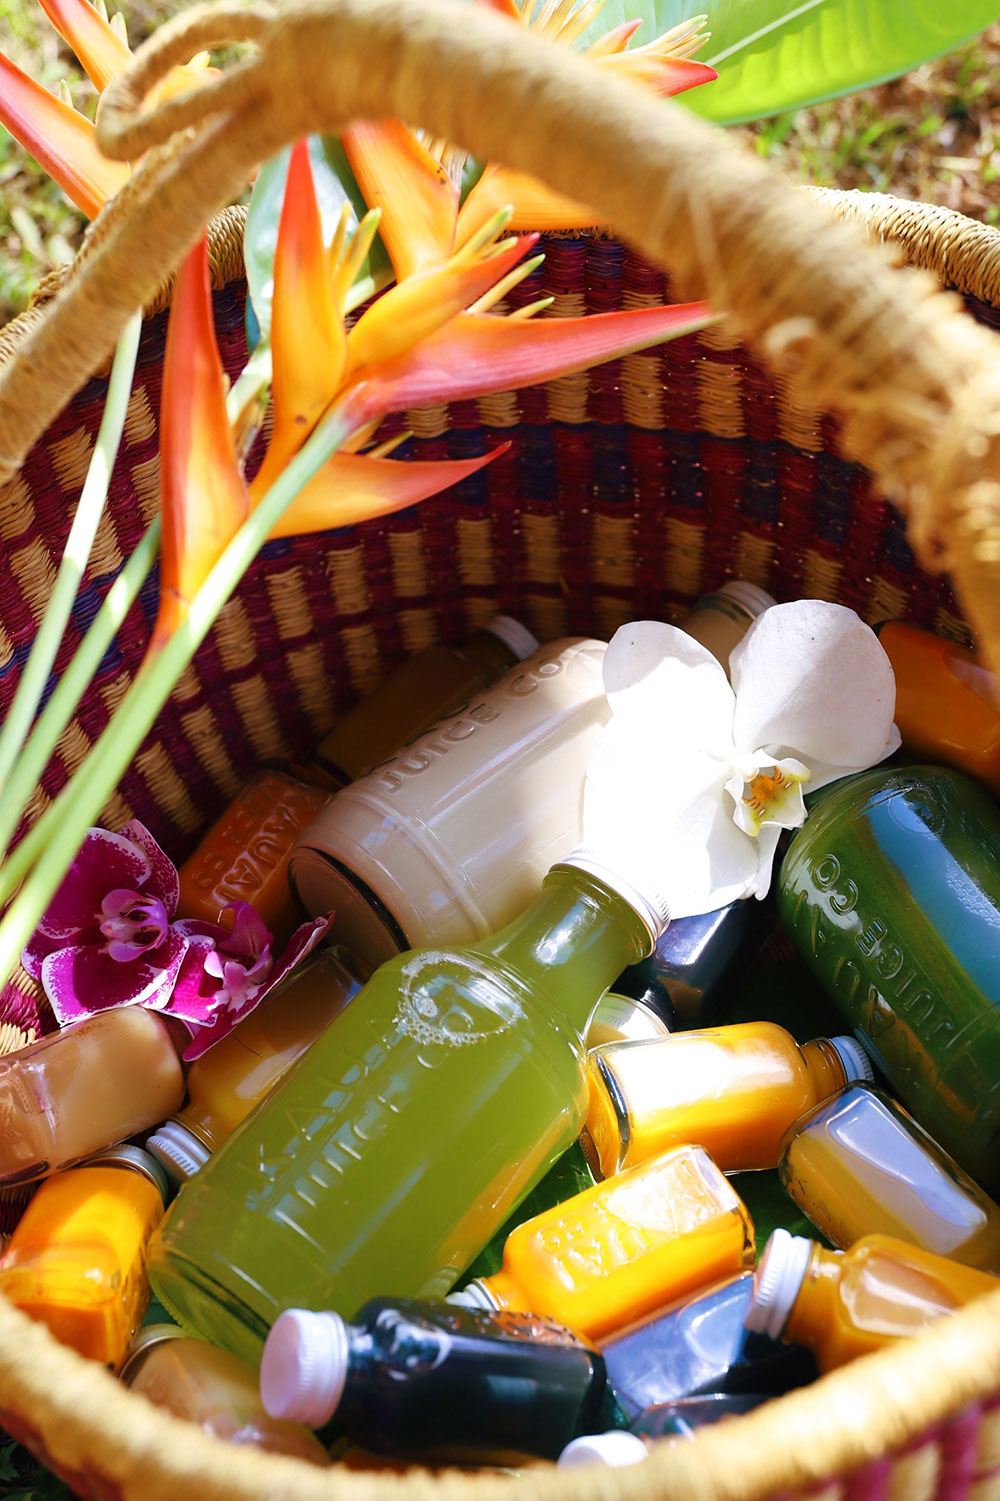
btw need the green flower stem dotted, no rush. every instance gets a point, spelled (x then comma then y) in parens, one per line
(61, 830)
(64, 700)
(74, 560)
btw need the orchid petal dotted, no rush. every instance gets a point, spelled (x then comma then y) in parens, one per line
(94, 40)
(352, 487)
(86, 971)
(665, 76)
(191, 999)
(163, 881)
(249, 936)
(659, 677)
(204, 499)
(767, 847)
(59, 139)
(534, 205)
(476, 354)
(655, 811)
(308, 342)
(103, 861)
(813, 678)
(416, 308)
(615, 40)
(419, 202)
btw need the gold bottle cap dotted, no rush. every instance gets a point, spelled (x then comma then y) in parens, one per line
(133, 1157)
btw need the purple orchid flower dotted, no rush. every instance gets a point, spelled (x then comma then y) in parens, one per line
(109, 938)
(229, 971)
(106, 937)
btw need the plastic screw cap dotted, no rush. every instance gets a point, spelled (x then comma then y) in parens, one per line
(647, 900)
(513, 635)
(751, 597)
(857, 1064)
(617, 1447)
(304, 1366)
(779, 1275)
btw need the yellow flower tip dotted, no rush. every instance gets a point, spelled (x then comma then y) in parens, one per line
(522, 314)
(485, 235)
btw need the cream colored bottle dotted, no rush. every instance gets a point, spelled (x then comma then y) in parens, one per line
(449, 840)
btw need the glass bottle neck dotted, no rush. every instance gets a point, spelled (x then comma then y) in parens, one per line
(579, 934)
(812, 1314)
(825, 1067)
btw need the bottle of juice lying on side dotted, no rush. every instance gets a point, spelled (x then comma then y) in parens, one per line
(75, 1259)
(858, 1163)
(414, 1125)
(430, 1382)
(213, 1389)
(842, 1304)
(79, 1090)
(624, 1248)
(227, 1081)
(735, 1090)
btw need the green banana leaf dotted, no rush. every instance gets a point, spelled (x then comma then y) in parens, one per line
(777, 55)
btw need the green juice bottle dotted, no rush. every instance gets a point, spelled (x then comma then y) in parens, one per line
(409, 1131)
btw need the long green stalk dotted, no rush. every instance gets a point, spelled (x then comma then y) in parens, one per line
(75, 556)
(70, 689)
(62, 828)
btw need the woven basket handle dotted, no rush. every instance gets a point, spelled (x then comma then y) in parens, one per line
(916, 383)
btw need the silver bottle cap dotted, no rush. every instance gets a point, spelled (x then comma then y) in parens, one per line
(750, 597)
(178, 1150)
(646, 901)
(146, 1340)
(515, 636)
(133, 1157)
(857, 1064)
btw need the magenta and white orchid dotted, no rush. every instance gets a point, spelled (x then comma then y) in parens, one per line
(110, 937)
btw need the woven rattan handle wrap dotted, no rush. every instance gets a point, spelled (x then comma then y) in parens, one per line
(916, 382)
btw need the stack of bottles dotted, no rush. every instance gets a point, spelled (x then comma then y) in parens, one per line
(503, 1173)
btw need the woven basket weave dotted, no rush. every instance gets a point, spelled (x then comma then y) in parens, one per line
(627, 491)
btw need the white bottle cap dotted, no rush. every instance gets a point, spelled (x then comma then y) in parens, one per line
(304, 1366)
(749, 597)
(178, 1150)
(647, 901)
(513, 634)
(779, 1275)
(473, 1296)
(857, 1064)
(616, 1447)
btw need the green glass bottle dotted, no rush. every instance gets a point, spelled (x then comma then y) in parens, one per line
(409, 1131)
(891, 890)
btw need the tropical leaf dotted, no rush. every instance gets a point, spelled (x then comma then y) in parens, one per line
(335, 185)
(776, 55)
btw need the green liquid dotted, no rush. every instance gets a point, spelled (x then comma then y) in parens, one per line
(407, 1133)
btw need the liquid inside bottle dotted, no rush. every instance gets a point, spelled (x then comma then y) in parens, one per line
(422, 689)
(432, 1382)
(891, 891)
(734, 1090)
(409, 1131)
(847, 1303)
(622, 1249)
(859, 1164)
(79, 1090)
(228, 1080)
(75, 1259)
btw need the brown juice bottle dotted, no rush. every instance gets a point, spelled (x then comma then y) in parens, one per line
(85, 1088)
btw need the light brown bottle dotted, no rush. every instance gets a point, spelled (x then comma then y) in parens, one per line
(212, 1388)
(228, 1080)
(80, 1090)
(450, 839)
(425, 687)
(842, 1304)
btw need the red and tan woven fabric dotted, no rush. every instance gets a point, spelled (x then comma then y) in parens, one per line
(626, 492)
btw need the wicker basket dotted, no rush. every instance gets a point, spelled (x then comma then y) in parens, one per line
(627, 491)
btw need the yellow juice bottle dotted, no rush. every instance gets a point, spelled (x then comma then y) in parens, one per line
(734, 1090)
(75, 1260)
(847, 1303)
(616, 1253)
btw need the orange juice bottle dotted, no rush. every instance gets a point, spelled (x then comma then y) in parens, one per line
(227, 1081)
(946, 703)
(75, 1259)
(847, 1303)
(734, 1090)
(616, 1253)
(244, 855)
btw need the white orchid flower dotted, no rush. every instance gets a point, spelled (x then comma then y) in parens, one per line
(693, 780)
